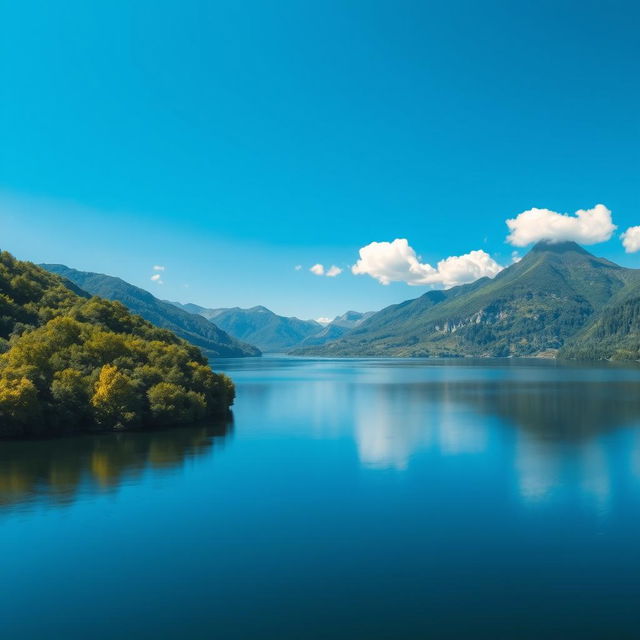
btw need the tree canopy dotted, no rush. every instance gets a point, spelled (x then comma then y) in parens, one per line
(73, 362)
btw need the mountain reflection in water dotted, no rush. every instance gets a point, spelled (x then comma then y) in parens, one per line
(55, 471)
(558, 427)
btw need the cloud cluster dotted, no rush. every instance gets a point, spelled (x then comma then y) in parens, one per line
(631, 239)
(331, 272)
(586, 226)
(157, 277)
(397, 262)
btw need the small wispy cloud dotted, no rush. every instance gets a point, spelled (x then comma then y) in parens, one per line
(298, 267)
(158, 267)
(156, 278)
(323, 320)
(330, 272)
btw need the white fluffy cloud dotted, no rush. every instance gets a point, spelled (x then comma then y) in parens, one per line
(156, 278)
(331, 272)
(631, 239)
(586, 226)
(397, 262)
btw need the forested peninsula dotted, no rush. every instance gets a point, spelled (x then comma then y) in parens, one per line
(71, 362)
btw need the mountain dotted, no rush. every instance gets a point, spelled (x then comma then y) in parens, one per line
(351, 319)
(258, 325)
(73, 363)
(193, 328)
(533, 307)
(338, 327)
(273, 333)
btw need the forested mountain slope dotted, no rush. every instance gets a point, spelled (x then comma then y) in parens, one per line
(193, 328)
(614, 334)
(532, 307)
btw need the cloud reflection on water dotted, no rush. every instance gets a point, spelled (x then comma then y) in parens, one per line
(557, 432)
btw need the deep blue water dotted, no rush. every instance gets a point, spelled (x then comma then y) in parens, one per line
(347, 499)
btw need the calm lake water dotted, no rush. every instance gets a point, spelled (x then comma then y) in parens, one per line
(347, 499)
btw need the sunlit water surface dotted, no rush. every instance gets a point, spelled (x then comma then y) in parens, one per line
(347, 499)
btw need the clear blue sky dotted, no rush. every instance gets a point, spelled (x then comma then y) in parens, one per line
(231, 141)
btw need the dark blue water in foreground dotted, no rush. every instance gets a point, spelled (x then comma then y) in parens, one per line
(348, 499)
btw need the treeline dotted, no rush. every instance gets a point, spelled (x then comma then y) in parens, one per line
(614, 336)
(74, 363)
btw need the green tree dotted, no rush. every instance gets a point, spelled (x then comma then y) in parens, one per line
(70, 392)
(172, 404)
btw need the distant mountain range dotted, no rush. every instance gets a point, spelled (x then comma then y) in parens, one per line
(197, 330)
(558, 300)
(273, 333)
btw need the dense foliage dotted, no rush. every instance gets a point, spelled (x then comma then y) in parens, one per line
(614, 335)
(72, 362)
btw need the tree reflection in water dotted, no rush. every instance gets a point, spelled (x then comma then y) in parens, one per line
(56, 471)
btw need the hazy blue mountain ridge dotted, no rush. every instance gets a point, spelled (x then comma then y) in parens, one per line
(274, 333)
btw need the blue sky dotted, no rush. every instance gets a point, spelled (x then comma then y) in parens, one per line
(230, 142)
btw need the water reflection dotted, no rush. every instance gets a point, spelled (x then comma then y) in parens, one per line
(56, 471)
(570, 411)
(394, 421)
(562, 429)
(482, 501)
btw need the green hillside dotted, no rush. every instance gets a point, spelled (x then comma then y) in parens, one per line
(533, 307)
(193, 328)
(614, 334)
(71, 363)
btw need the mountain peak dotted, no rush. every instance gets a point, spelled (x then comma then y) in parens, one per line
(558, 247)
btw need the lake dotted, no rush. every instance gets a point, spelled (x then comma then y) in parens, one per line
(346, 499)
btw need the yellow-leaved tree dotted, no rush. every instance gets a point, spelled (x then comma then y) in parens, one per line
(115, 400)
(19, 405)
